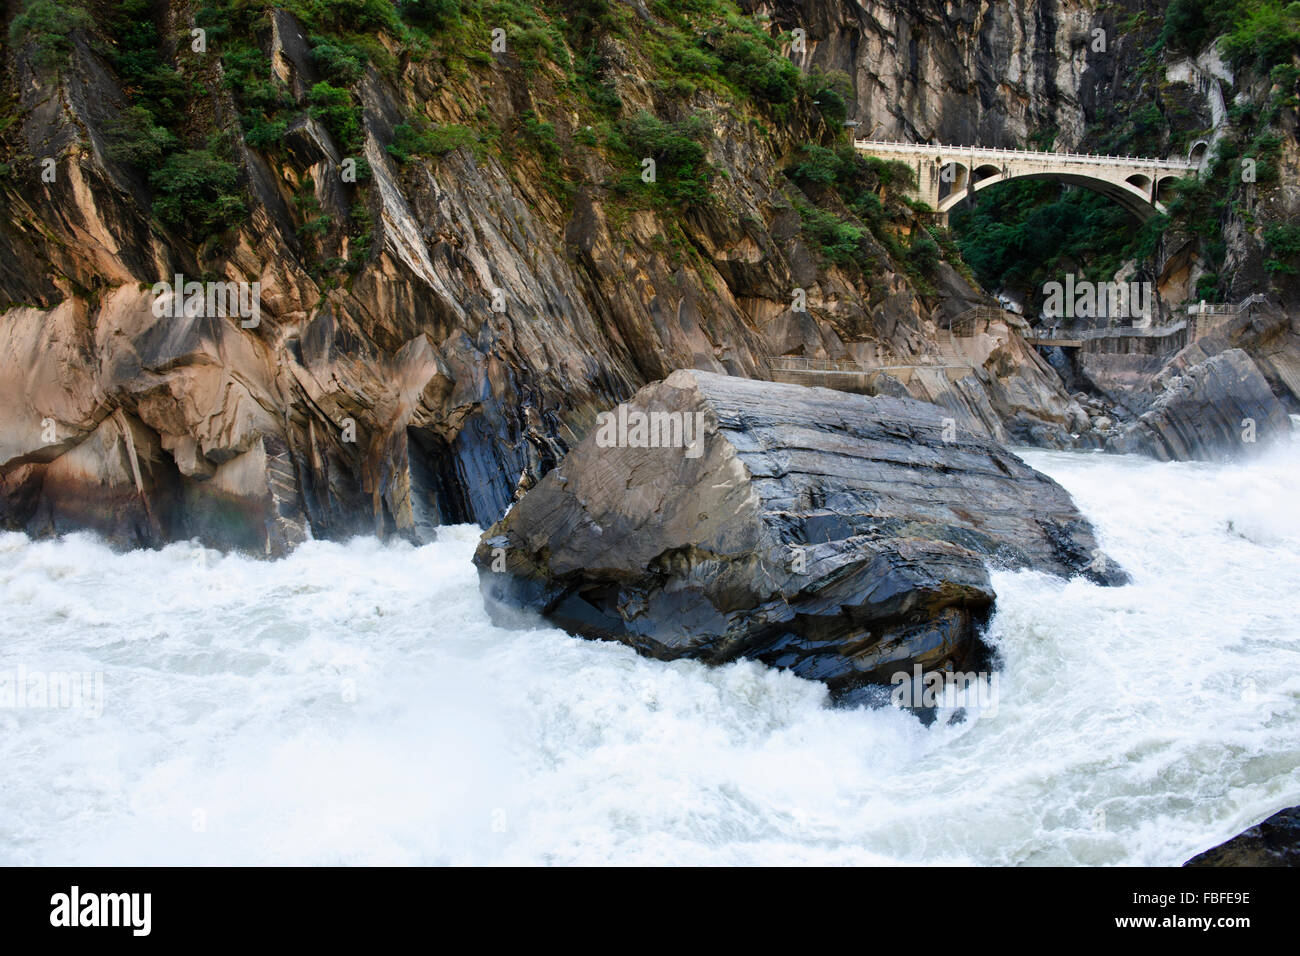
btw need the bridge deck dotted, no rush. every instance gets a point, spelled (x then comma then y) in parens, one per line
(1043, 156)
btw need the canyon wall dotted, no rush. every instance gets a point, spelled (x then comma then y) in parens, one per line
(434, 336)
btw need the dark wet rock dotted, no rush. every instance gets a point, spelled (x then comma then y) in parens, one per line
(844, 537)
(1274, 842)
(1221, 408)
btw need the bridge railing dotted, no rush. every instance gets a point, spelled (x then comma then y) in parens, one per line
(1207, 317)
(1162, 339)
(1226, 308)
(1031, 154)
(964, 324)
(798, 363)
(1117, 332)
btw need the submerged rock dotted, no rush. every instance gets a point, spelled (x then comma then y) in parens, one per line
(1274, 842)
(1218, 409)
(841, 536)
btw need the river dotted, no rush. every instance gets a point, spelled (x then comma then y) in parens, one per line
(351, 704)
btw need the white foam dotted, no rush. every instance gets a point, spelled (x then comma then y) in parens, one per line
(1135, 725)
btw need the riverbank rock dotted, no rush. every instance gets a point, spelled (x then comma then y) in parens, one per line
(1218, 409)
(841, 536)
(1274, 842)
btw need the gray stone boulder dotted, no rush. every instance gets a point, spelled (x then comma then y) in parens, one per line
(844, 537)
(1273, 842)
(1221, 408)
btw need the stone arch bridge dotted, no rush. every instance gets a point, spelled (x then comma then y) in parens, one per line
(946, 175)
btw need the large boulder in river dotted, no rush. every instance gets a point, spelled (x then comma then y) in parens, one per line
(1220, 408)
(1273, 842)
(842, 536)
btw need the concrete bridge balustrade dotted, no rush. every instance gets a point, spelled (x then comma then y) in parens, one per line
(946, 175)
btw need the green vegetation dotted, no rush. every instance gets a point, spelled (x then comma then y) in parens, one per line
(432, 15)
(1023, 233)
(316, 222)
(197, 189)
(707, 51)
(1256, 33)
(860, 198)
(682, 174)
(335, 107)
(48, 26)
(137, 140)
(1283, 244)
(837, 241)
(410, 140)
(858, 181)
(341, 62)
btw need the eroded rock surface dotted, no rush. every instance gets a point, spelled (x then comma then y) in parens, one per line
(842, 536)
(1221, 408)
(480, 320)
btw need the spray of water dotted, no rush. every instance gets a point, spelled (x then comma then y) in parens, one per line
(352, 704)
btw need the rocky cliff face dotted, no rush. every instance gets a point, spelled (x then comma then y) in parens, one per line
(481, 321)
(1078, 75)
(996, 74)
(437, 329)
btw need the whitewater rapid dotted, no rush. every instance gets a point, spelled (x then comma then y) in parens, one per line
(352, 704)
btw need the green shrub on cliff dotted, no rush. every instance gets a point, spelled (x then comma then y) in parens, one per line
(137, 140)
(682, 173)
(751, 59)
(341, 62)
(923, 252)
(817, 166)
(348, 14)
(431, 14)
(1258, 33)
(334, 107)
(1283, 242)
(859, 182)
(48, 26)
(836, 241)
(830, 93)
(199, 190)
(1267, 33)
(411, 140)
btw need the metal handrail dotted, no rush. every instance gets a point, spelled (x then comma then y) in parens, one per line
(1226, 308)
(1158, 332)
(799, 363)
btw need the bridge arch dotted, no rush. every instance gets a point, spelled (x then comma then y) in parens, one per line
(1165, 190)
(946, 175)
(1133, 193)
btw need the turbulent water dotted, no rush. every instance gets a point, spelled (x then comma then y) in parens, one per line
(352, 704)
